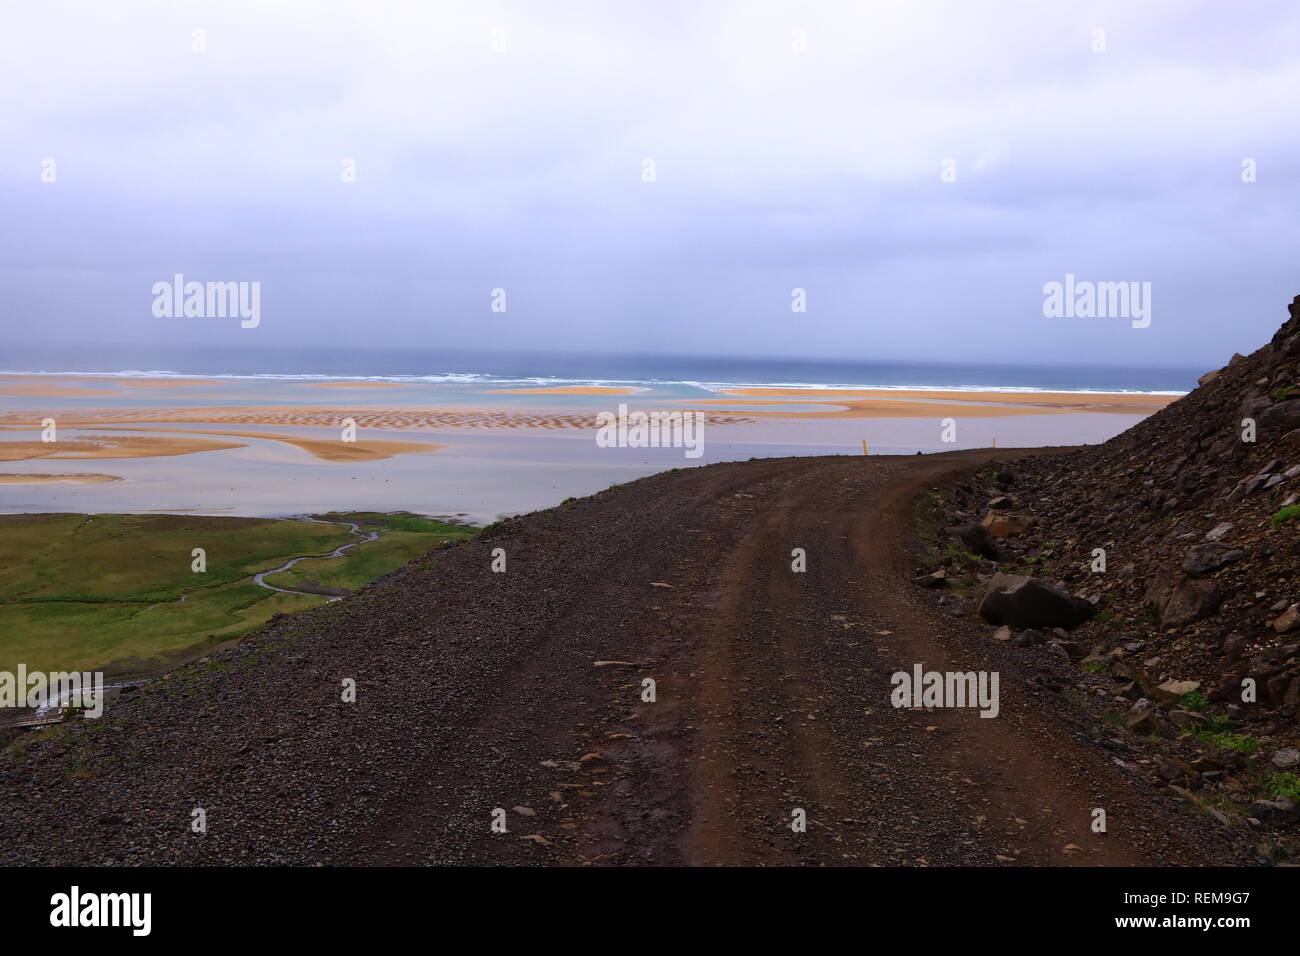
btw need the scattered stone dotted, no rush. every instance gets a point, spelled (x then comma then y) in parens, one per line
(1219, 530)
(936, 579)
(1141, 717)
(1072, 649)
(1289, 620)
(1187, 719)
(1002, 524)
(1171, 691)
(1280, 416)
(1234, 645)
(1192, 600)
(1286, 759)
(1029, 638)
(1204, 558)
(1277, 812)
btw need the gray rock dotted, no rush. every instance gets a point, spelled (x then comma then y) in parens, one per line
(1219, 530)
(1204, 558)
(1282, 415)
(1277, 812)
(1286, 759)
(1029, 638)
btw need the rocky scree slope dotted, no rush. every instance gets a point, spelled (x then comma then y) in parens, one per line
(1197, 511)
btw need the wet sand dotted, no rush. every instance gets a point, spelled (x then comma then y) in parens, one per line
(329, 449)
(473, 451)
(73, 386)
(565, 390)
(109, 446)
(48, 390)
(86, 478)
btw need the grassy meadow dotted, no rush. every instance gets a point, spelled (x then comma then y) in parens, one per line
(86, 591)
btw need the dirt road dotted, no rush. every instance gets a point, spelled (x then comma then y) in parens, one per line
(523, 691)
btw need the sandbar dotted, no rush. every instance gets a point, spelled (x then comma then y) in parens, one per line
(109, 446)
(924, 403)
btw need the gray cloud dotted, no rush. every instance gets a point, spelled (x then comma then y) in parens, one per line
(522, 169)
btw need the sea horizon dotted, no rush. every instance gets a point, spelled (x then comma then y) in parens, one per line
(708, 373)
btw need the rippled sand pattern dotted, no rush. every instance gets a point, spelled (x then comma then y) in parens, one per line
(388, 418)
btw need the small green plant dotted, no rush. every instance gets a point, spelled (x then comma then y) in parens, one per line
(1285, 515)
(1284, 785)
(1224, 740)
(1193, 700)
(1278, 394)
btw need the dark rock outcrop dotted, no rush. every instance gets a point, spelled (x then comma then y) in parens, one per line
(1023, 601)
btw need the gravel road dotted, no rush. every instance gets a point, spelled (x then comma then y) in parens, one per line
(523, 690)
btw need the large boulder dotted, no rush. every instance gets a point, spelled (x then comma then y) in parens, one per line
(1021, 601)
(1191, 600)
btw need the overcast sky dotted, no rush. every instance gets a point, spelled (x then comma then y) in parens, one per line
(794, 145)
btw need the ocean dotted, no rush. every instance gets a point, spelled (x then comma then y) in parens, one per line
(435, 366)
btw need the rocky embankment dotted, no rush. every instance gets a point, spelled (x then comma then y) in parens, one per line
(1165, 564)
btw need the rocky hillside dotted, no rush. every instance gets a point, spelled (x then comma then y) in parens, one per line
(1194, 508)
(1168, 562)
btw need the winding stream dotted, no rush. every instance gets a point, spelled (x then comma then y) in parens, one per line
(337, 553)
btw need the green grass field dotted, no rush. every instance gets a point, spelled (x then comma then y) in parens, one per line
(402, 537)
(86, 591)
